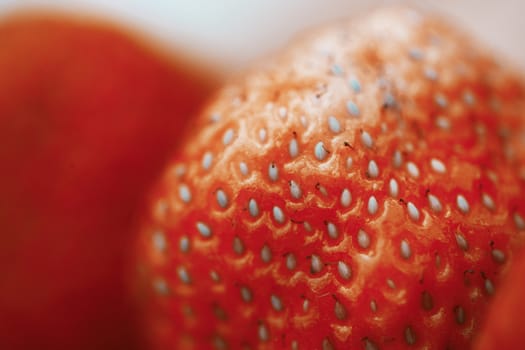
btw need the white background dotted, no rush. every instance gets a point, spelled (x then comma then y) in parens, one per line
(228, 34)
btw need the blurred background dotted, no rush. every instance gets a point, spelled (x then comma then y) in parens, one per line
(228, 34)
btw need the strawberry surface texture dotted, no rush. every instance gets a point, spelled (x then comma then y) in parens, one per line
(361, 190)
(504, 325)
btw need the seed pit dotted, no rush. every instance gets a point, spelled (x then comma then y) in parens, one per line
(352, 108)
(277, 304)
(489, 287)
(441, 100)
(344, 270)
(246, 294)
(253, 208)
(219, 313)
(413, 212)
(498, 256)
(227, 137)
(214, 276)
(222, 198)
(413, 170)
(346, 198)
(460, 315)
(262, 135)
(273, 172)
(334, 125)
(263, 333)
(219, 343)
(426, 301)
(406, 252)
(443, 123)
(295, 190)
(203, 229)
(159, 241)
(462, 204)
(320, 152)
(283, 112)
(183, 275)
(278, 215)
(410, 336)
(238, 246)
(373, 206)
(306, 305)
(307, 226)
(373, 305)
(332, 230)
(243, 167)
(184, 244)
(291, 262)
(373, 169)
(207, 160)
(349, 162)
(370, 345)
(184, 193)
(397, 159)
(160, 286)
(293, 148)
(434, 203)
(438, 166)
(340, 311)
(363, 239)
(462, 242)
(327, 345)
(366, 139)
(354, 84)
(266, 254)
(316, 265)
(393, 188)
(519, 221)
(391, 284)
(488, 202)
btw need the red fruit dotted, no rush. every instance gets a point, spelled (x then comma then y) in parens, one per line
(505, 321)
(88, 114)
(361, 191)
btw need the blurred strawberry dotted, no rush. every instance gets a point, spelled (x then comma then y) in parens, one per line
(87, 116)
(504, 327)
(361, 191)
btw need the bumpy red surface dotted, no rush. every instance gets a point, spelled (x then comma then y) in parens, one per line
(87, 117)
(361, 191)
(504, 326)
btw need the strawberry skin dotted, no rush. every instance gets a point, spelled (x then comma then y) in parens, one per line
(504, 324)
(88, 116)
(360, 191)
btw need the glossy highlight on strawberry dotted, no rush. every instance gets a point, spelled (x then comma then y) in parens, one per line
(362, 190)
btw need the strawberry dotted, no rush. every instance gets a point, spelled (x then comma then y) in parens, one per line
(88, 116)
(362, 190)
(504, 323)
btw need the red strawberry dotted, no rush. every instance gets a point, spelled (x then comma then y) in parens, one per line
(505, 322)
(362, 191)
(88, 115)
